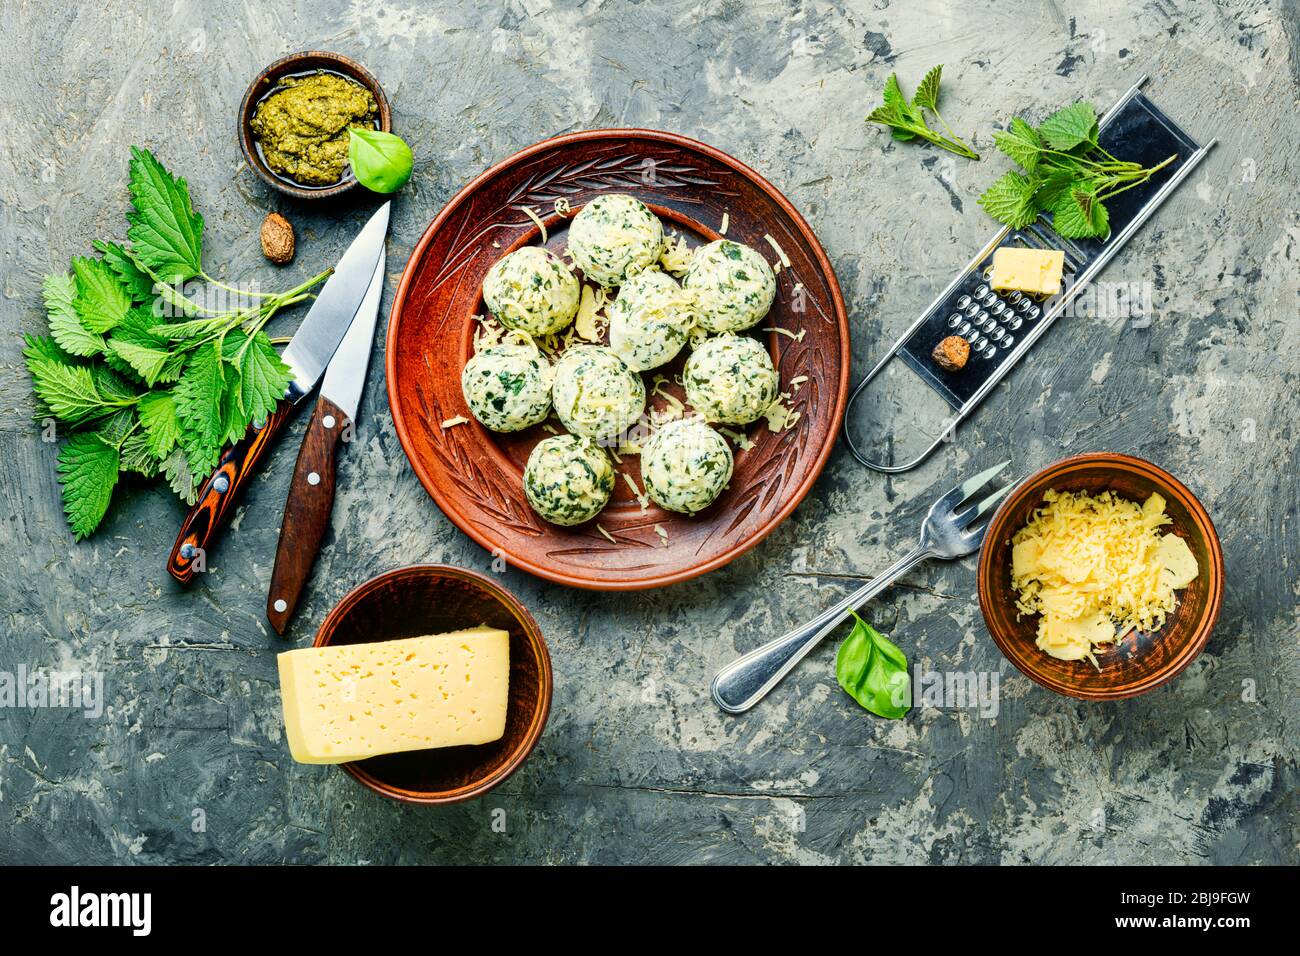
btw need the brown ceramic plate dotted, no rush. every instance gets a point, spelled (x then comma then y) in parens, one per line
(476, 476)
(309, 61)
(1141, 661)
(431, 599)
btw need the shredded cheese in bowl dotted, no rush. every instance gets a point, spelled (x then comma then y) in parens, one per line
(1095, 568)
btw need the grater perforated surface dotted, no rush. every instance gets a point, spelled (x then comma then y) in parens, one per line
(994, 323)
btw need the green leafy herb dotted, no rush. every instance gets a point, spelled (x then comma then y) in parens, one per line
(907, 120)
(166, 233)
(1070, 127)
(137, 282)
(161, 423)
(71, 392)
(74, 338)
(1011, 200)
(873, 671)
(101, 302)
(382, 162)
(143, 378)
(1066, 174)
(88, 467)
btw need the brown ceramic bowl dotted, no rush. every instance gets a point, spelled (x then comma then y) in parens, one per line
(1142, 660)
(476, 476)
(308, 61)
(429, 599)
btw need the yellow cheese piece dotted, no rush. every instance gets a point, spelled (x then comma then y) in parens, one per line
(1036, 271)
(1177, 560)
(1096, 568)
(584, 323)
(352, 701)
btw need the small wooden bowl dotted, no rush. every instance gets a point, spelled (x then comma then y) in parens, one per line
(305, 62)
(430, 599)
(1142, 660)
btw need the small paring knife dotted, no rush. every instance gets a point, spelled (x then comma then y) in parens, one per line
(307, 354)
(311, 493)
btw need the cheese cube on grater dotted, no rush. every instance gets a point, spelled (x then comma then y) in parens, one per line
(1000, 326)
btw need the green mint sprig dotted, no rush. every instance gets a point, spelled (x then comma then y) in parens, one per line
(1066, 173)
(143, 378)
(906, 120)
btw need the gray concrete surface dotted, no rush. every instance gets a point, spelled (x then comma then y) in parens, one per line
(188, 763)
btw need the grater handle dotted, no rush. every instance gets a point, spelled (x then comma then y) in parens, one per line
(948, 430)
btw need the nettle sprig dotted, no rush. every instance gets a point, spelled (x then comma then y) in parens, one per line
(906, 120)
(144, 378)
(1066, 173)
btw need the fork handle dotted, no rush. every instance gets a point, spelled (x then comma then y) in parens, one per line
(745, 681)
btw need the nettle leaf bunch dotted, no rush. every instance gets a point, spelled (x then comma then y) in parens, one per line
(142, 378)
(1066, 173)
(906, 120)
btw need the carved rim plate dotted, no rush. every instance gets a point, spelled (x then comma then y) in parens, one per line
(475, 475)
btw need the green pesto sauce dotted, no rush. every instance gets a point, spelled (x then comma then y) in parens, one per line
(302, 126)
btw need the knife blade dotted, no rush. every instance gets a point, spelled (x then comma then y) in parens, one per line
(311, 493)
(307, 354)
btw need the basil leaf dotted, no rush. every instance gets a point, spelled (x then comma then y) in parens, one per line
(873, 671)
(382, 162)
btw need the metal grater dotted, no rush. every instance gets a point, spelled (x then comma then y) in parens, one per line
(1002, 327)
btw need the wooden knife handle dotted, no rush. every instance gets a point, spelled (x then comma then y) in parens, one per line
(218, 495)
(306, 513)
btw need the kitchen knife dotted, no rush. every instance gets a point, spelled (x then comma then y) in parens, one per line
(307, 354)
(311, 493)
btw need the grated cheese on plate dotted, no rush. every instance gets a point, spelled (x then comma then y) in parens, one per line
(489, 332)
(532, 214)
(797, 336)
(585, 323)
(453, 422)
(740, 438)
(776, 247)
(642, 499)
(676, 257)
(780, 417)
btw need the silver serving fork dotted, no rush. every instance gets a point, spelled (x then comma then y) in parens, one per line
(946, 533)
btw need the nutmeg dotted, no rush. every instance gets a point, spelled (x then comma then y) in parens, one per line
(277, 239)
(951, 354)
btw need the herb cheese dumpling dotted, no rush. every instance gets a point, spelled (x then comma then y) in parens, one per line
(685, 465)
(568, 479)
(595, 394)
(614, 237)
(532, 291)
(650, 319)
(508, 387)
(732, 284)
(730, 379)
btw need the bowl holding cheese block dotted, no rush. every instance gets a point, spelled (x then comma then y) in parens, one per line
(1107, 542)
(429, 684)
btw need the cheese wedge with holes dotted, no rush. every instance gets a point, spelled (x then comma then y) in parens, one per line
(353, 701)
(1036, 271)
